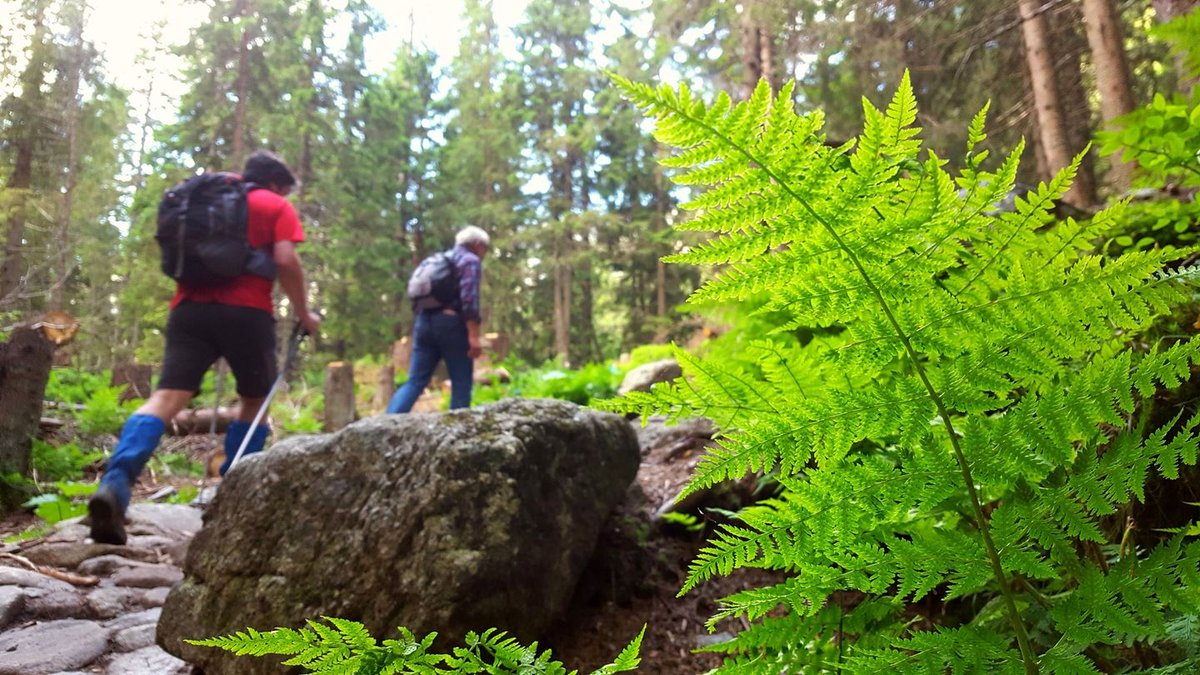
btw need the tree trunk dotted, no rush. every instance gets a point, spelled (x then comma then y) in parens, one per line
(660, 224)
(752, 50)
(1112, 74)
(242, 89)
(1170, 9)
(1167, 10)
(25, 362)
(21, 178)
(1073, 96)
(1045, 94)
(58, 288)
(562, 309)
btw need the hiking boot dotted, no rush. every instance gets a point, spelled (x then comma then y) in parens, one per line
(108, 517)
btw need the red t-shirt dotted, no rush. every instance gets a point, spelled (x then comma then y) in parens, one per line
(271, 218)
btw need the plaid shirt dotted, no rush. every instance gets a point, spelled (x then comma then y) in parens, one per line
(470, 273)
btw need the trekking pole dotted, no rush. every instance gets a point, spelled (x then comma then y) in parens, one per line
(298, 335)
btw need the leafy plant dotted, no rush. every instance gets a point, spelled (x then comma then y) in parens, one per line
(61, 462)
(343, 646)
(593, 381)
(177, 464)
(1162, 138)
(67, 501)
(99, 410)
(981, 413)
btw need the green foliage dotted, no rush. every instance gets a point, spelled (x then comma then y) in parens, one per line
(644, 354)
(89, 399)
(67, 501)
(593, 381)
(299, 409)
(1183, 33)
(176, 464)
(61, 462)
(1162, 138)
(966, 411)
(345, 646)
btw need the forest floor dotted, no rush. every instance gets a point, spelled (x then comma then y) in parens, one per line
(641, 564)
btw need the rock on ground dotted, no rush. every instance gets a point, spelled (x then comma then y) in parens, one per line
(75, 606)
(453, 522)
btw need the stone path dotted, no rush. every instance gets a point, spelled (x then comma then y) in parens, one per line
(69, 606)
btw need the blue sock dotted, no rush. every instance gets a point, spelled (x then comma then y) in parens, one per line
(234, 436)
(139, 438)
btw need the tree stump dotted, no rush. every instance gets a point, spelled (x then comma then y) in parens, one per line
(339, 395)
(385, 388)
(401, 353)
(24, 370)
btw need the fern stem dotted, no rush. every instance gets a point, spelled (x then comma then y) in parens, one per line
(1014, 616)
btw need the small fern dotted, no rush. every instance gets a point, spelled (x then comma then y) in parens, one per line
(344, 647)
(974, 408)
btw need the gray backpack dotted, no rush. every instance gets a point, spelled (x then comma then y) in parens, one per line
(434, 284)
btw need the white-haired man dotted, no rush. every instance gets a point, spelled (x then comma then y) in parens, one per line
(449, 332)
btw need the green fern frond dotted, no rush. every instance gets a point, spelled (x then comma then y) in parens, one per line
(982, 408)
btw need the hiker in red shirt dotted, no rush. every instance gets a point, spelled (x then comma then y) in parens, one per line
(234, 320)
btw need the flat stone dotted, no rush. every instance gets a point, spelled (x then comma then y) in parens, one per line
(155, 597)
(172, 520)
(177, 552)
(69, 555)
(54, 605)
(147, 661)
(69, 530)
(52, 647)
(134, 638)
(106, 564)
(12, 602)
(147, 576)
(110, 601)
(15, 576)
(155, 543)
(135, 619)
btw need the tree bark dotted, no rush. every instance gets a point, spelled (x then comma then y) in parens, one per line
(242, 88)
(25, 362)
(20, 180)
(1166, 10)
(75, 74)
(1073, 96)
(1170, 9)
(1112, 74)
(1045, 94)
(752, 49)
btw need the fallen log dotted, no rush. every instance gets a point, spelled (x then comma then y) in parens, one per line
(200, 421)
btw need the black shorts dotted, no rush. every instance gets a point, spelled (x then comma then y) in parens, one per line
(200, 332)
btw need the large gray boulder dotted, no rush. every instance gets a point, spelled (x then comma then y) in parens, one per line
(448, 522)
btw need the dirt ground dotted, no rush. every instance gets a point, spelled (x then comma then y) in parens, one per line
(640, 566)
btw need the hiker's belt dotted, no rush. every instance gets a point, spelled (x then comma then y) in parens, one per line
(448, 311)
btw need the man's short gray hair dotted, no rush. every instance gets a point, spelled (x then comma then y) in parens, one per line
(472, 235)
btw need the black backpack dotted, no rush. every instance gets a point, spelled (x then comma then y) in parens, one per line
(202, 232)
(434, 284)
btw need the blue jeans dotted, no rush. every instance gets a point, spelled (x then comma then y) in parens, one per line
(437, 337)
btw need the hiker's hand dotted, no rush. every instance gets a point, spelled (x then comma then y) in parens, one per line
(311, 322)
(474, 349)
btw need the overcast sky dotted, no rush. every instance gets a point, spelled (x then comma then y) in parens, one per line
(120, 28)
